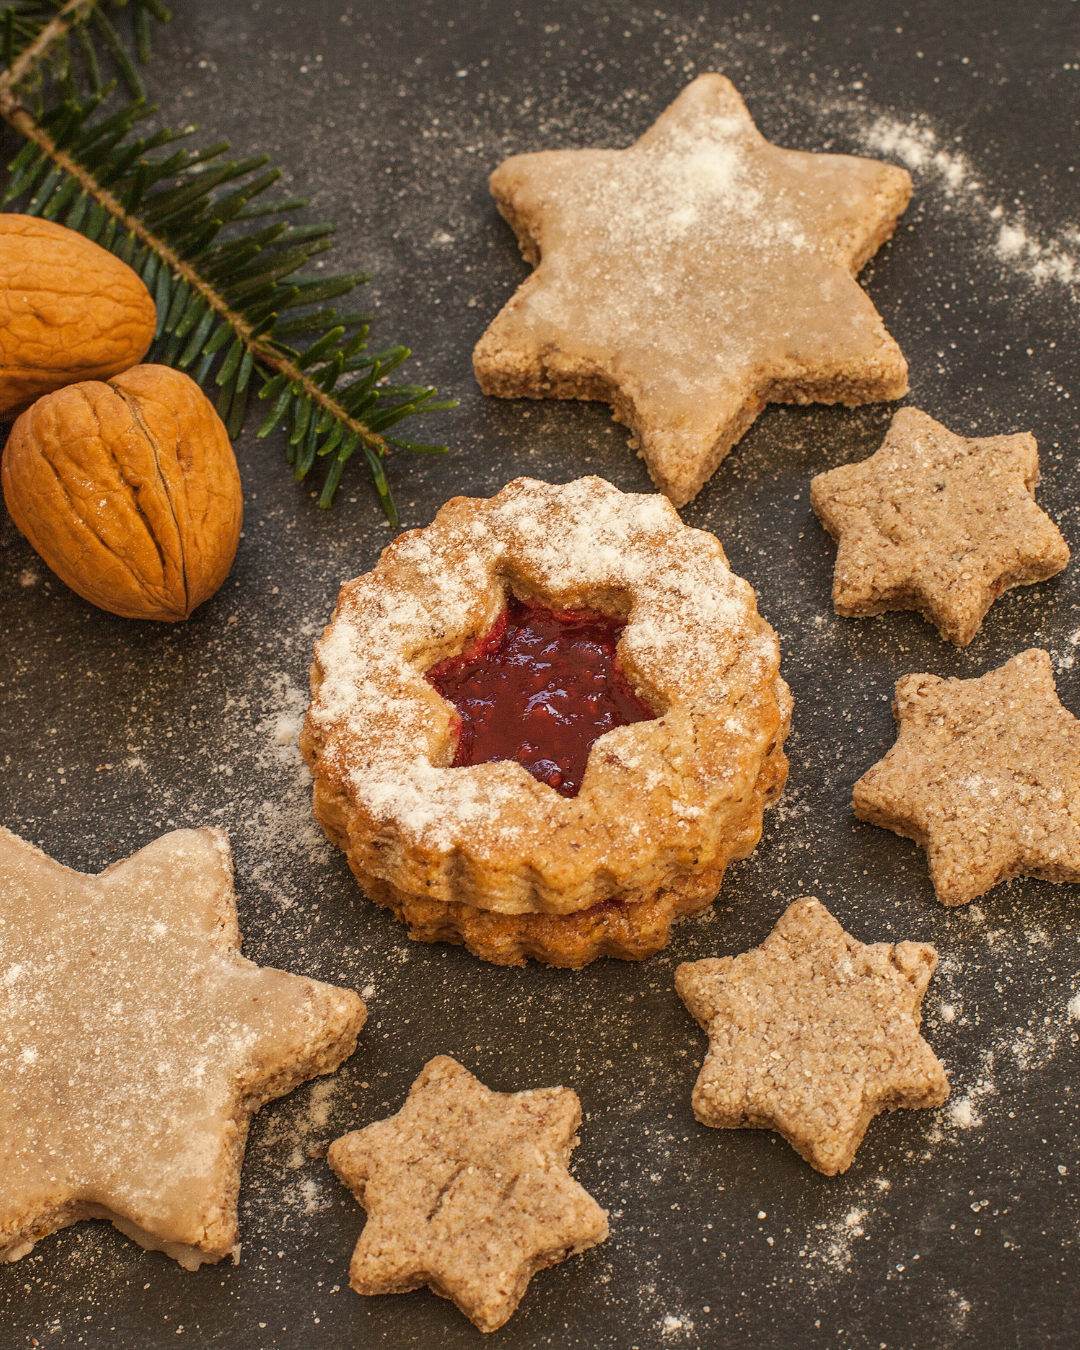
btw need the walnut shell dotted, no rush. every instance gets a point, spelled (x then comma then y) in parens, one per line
(69, 311)
(129, 490)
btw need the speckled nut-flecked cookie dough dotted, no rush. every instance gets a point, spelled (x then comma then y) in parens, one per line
(937, 523)
(813, 1034)
(692, 279)
(467, 1191)
(484, 853)
(136, 1043)
(984, 775)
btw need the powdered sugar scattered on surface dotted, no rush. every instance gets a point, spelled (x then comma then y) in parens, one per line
(876, 883)
(919, 150)
(1017, 241)
(1004, 1056)
(676, 1327)
(279, 824)
(962, 1110)
(303, 1125)
(831, 1244)
(959, 1309)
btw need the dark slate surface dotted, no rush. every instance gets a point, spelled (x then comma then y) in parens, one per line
(952, 1227)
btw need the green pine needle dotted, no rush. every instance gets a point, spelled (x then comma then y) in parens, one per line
(226, 293)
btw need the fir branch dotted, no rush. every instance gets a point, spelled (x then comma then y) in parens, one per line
(42, 41)
(218, 299)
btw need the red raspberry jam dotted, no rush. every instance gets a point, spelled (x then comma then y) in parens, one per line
(540, 688)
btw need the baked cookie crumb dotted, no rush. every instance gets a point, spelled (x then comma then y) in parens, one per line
(467, 1191)
(938, 523)
(812, 1034)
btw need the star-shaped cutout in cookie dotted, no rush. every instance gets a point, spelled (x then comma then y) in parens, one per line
(937, 523)
(813, 1034)
(984, 775)
(467, 1191)
(136, 1043)
(693, 278)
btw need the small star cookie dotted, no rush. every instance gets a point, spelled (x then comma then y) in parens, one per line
(136, 1043)
(693, 278)
(984, 775)
(937, 523)
(813, 1034)
(466, 1191)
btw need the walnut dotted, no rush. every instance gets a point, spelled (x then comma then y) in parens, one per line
(68, 311)
(129, 490)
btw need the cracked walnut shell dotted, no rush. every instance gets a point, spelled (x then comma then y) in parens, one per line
(129, 491)
(69, 311)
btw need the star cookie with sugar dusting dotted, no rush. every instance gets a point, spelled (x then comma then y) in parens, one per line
(938, 523)
(467, 1191)
(984, 775)
(812, 1034)
(136, 1043)
(693, 278)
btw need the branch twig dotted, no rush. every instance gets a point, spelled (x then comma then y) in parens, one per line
(261, 349)
(55, 29)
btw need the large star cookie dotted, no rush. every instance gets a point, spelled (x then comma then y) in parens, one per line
(693, 278)
(813, 1034)
(937, 523)
(985, 775)
(466, 1191)
(136, 1043)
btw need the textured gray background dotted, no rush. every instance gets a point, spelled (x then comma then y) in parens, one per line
(113, 731)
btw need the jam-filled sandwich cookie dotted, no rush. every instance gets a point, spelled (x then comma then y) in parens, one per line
(544, 725)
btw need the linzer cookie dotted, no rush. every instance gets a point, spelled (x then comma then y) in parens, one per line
(984, 775)
(692, 279)
(467, 1191)
(937, 523)
(136, 1043)
(813, 1034)
(544, 725)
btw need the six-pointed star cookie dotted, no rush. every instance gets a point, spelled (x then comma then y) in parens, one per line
(693, 278)
(466, 1191)
(136, 1042)
(937, 523)
(813, 1034)
(985, 775)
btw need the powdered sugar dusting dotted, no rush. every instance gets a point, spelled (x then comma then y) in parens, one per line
(692, 638)
(303, 1126)
(697, 178)
(963, 1112)
(676, 1327)
(918, 149)
(685, 266)
(831, 1243)
(691, 185)
(1014, 238)
(160, 1058)
(686, 598)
